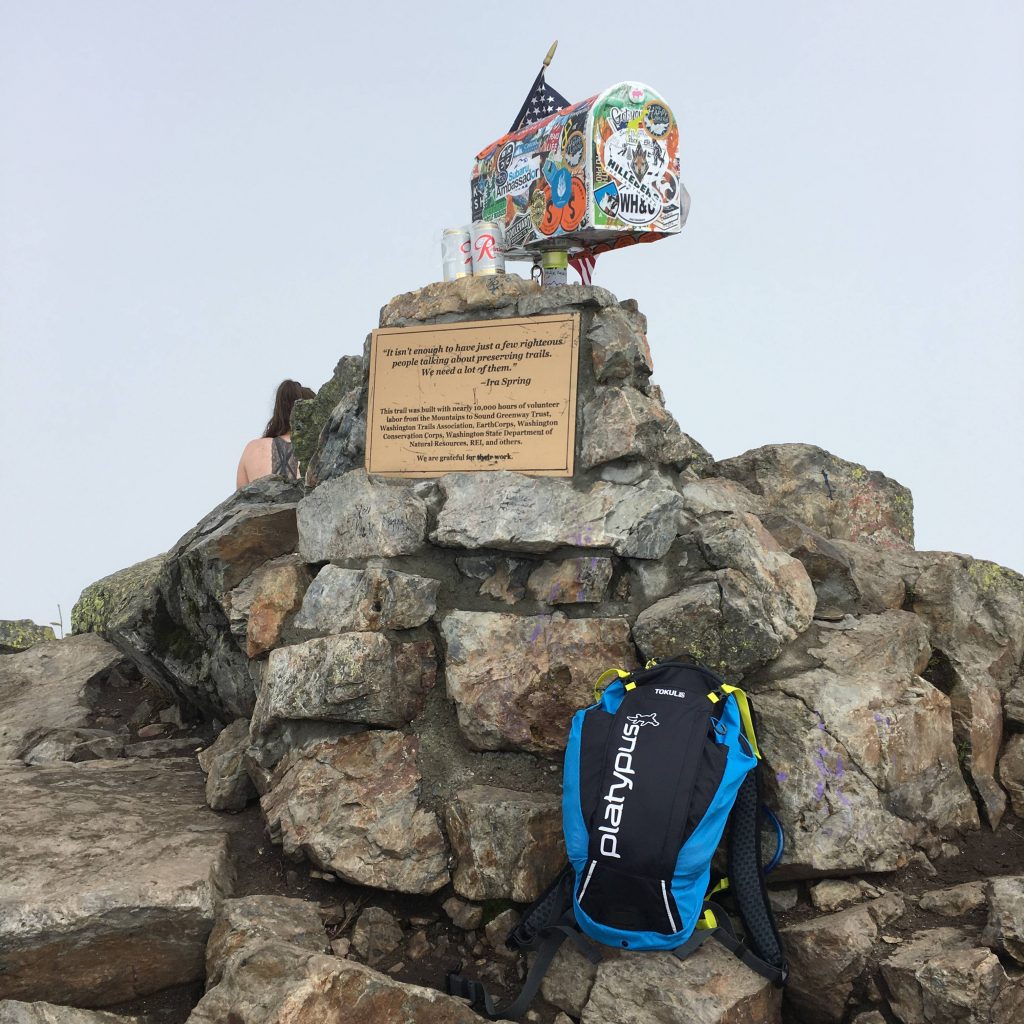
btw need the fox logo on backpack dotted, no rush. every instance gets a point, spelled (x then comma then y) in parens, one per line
(643, 812)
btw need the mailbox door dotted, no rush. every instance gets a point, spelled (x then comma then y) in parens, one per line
(634, 186)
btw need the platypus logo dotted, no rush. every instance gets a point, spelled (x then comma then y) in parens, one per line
(651, 719)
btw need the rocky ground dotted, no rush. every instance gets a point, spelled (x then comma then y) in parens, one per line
(309, 760)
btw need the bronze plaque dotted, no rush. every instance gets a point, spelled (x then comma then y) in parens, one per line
(492, 394)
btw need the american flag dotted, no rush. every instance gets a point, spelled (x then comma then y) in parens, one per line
(542, 102)
(584, 266)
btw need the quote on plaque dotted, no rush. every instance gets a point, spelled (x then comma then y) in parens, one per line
(492, 394)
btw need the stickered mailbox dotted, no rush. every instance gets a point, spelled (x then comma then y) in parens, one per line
(598, 175)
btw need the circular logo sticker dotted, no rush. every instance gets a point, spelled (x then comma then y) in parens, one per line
(636, 94)
(656, 119)
(575, 147)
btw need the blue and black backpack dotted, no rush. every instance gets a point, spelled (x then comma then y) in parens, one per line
(654, 771)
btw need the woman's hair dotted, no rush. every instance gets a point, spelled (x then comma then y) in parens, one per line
(288, 393)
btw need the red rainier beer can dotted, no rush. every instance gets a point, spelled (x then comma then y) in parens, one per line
(456, 257)
(488, 238)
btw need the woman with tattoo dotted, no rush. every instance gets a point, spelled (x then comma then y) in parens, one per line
(272, 453)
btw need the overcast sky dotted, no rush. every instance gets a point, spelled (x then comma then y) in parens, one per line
(198, 199)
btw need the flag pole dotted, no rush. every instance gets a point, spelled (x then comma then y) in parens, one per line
(536, 82)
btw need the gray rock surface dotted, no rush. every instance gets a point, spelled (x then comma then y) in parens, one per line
(859, 748)
(619, 349)
(246, 923)
(940, 975)
(228, 786)
(355, 677)
(352, 808)
(192, 648)
(375, 934)
(1005, 930)
(739, 615)
(956, 901)
(466, 295)
(975, 615)
(1011, 772)
(328, 431)
(15, 1012)
(512, 512)
(74, 745)
(570, 978)
(507, 845)
(52, 687)
(827, 956)
(110, 876)
(354, 516)
(281, 982)
(849, 578)
(355, 600)
(712, 987)
(623, 423)
(517, 679)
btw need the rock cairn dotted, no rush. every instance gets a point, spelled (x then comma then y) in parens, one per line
(393, 665)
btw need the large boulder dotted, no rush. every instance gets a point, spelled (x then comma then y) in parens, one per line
(21, 634)
(352, 808)
(110, 877)
(264, 603)
(860, 747)
(114, 605)
(53, 687)
(836, 498)
(174, 615)
(619, 349)
(255, 526)
(442, 299)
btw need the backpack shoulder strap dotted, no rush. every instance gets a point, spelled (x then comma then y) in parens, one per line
(746, 879)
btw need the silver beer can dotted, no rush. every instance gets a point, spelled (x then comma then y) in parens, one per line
(456, 256)
(488, 238)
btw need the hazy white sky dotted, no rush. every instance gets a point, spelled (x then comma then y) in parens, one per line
(198, 199)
